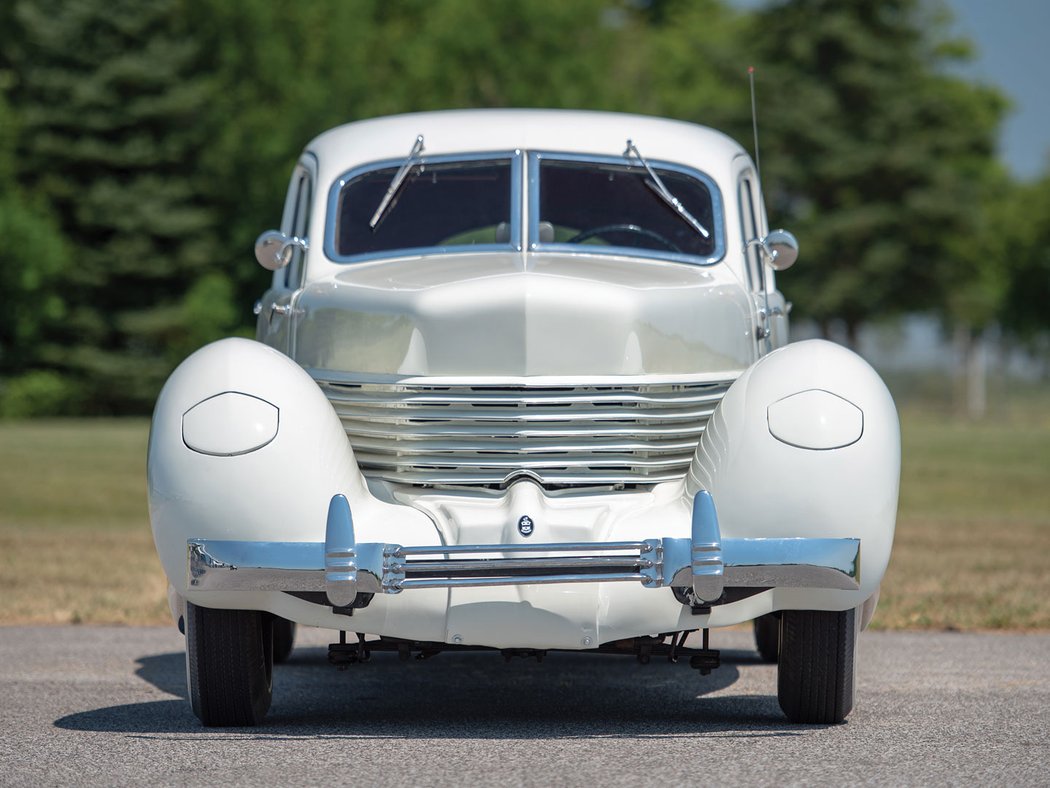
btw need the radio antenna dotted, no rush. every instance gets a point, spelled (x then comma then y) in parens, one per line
(754, 120)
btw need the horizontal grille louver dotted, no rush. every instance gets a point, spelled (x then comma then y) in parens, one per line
(465, 434)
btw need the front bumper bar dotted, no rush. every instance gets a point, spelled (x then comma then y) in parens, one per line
(342, 567)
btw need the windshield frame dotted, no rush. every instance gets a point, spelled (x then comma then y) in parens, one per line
(717, 210)
(514, 157)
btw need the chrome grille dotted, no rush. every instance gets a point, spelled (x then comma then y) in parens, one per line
(485, 434)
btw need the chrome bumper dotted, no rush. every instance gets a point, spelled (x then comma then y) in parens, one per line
(342, 568)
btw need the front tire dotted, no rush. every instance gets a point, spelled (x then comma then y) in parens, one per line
(229, 665)
(283, 639)
(767, 636)
(816, 674)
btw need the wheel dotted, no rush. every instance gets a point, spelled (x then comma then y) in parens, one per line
(634, 229)
(229, 664)
(283, 639)
(767, 636)
(815, 677)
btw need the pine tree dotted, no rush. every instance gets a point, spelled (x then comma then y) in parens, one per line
(35, 260)
(110, 105)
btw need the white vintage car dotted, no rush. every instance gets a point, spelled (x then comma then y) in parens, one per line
(521, 383)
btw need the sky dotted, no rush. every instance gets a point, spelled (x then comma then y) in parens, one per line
(1013, 53)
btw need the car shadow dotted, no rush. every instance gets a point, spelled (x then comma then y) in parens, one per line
(467, 695)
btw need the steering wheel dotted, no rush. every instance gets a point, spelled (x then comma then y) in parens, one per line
(580, 237)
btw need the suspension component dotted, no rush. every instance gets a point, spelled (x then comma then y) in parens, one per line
(705, 659)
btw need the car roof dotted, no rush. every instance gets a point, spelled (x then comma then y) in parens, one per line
(569, 131)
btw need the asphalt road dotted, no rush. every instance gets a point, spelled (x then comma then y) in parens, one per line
(92, 706)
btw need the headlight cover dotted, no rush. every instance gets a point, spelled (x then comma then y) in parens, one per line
(815, 419)
(229, 424)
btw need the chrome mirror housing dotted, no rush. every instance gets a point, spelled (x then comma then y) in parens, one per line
(274, 249)
(781, 249)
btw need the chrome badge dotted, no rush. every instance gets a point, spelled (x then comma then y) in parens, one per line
(525, 525)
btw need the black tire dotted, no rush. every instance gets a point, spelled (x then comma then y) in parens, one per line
(815, 677)
(767, 636)
(229, 665)
(283, 639)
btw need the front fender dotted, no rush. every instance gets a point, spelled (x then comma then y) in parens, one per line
(831, 470)
(215, 471)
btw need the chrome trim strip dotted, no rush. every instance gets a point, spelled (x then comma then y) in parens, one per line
(474, 582)
(504, 564)
(498, 477)
(516, 159)
(394, 382)
(684, 395)
(550, 547)
(398, 413)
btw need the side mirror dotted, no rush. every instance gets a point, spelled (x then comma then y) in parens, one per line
(781, 249)
(274, 249)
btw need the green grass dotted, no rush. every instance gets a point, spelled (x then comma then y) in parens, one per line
(75, 543)
(973, 532)
(973, 529)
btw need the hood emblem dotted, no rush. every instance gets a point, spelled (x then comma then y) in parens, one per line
(525, 525)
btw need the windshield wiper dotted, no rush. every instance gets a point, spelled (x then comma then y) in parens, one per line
(664, 193)
(395, 183)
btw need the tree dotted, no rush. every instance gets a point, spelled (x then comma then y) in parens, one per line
(689, 62)
(866, 155)
(292, 71)
(160, 135)
(110, 106)
(1024, 226)
(148, 126)
(35, 260)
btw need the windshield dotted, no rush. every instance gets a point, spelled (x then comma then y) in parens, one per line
(612, 204)
(473, 202)
(439, 204)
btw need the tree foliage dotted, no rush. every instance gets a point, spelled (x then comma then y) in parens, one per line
(287, 72)
(867, 157)
(145, 143)
(36, 258)
(109, 101)
(691, 64)
(1023, 219)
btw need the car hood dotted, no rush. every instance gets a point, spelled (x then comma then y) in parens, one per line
(480, 315)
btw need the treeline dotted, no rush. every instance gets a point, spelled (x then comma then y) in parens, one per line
(145, 143)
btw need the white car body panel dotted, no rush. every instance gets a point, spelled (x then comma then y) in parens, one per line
(658, 319)
(534, 320)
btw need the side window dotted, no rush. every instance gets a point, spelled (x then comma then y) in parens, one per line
(749, 230)
(299, 221)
